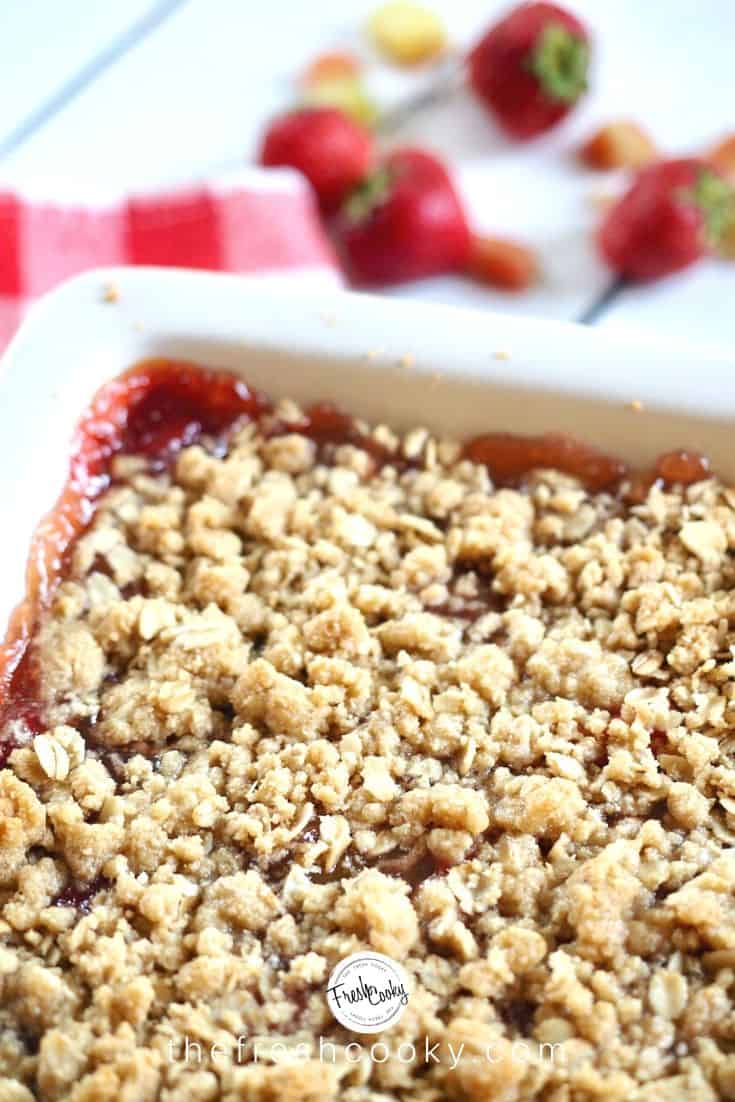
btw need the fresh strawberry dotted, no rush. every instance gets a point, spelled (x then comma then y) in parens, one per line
(407, 33)
(333, 151)
(348, 94)
(405, 222)
(722, 158)
(622, 144)
(334, 79)
(502, 263)
(531, 68)
(674, 213)
(332, 65)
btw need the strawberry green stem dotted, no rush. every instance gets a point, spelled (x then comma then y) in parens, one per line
(716, 200)
(369, 194)
(560, 62)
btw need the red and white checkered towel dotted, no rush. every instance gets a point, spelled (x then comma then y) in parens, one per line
(255, 220)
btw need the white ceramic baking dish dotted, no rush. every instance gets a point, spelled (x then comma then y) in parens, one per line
(406, 363)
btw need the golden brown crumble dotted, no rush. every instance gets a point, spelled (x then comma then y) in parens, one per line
(295, 709)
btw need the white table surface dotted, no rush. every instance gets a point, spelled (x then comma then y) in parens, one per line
(154, 91)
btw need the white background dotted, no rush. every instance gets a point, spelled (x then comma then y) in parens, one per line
(193, 81)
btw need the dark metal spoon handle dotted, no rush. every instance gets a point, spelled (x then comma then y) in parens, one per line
(448, 79)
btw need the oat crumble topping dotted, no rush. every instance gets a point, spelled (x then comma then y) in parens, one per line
(295, 709)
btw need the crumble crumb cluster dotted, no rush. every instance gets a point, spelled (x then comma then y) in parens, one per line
(300, 704)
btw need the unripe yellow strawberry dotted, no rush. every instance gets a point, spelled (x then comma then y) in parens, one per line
(407, 33)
